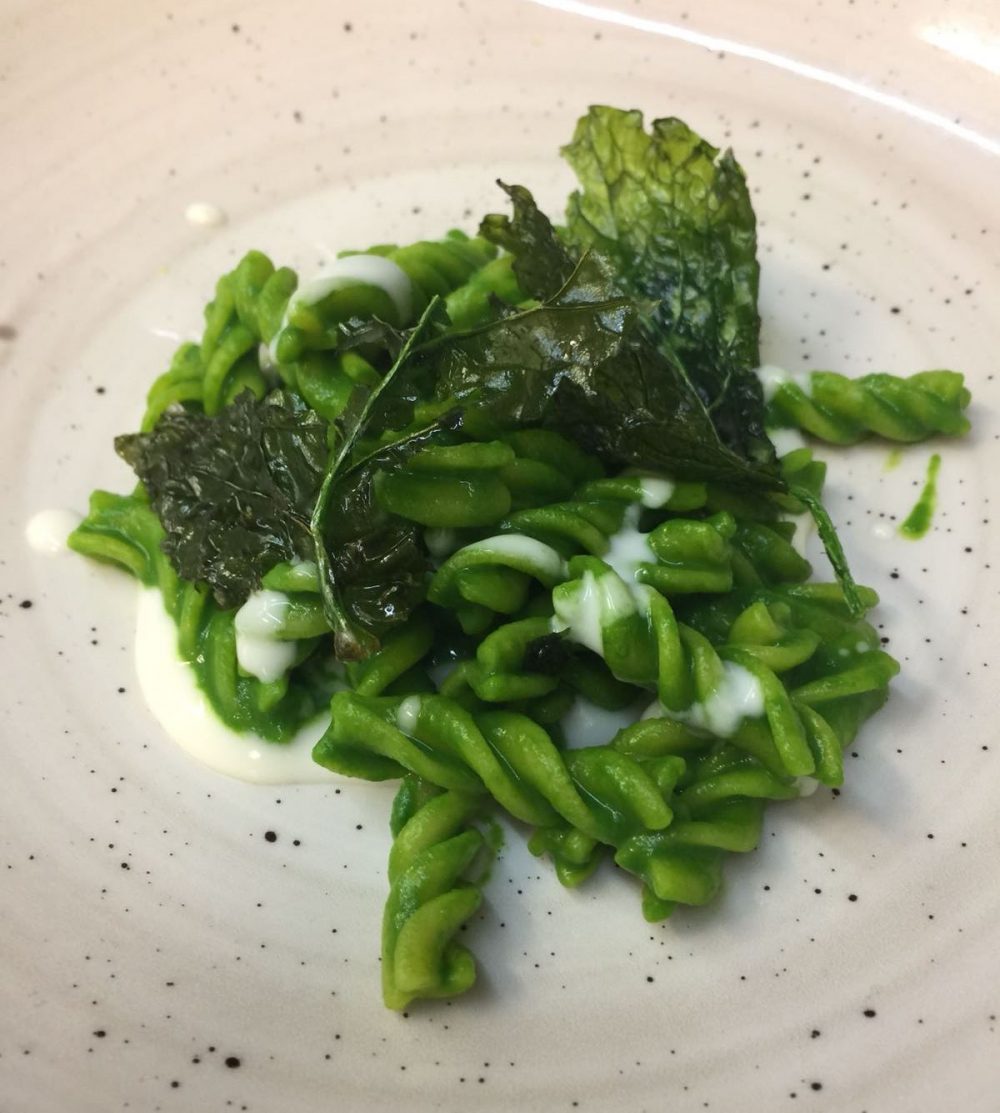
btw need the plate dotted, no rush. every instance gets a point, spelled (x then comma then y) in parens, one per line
(161, 949)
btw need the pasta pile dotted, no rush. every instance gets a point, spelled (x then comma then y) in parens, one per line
(558, 584)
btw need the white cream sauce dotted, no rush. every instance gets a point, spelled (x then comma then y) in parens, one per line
(738, 697)
(598, 601)
(259, 651)
(441, 542)
(805, 530)
(173, 696)
(372, 270)
(302, 575)
(629, 548)
(203, 214)
(265, 357)
(602, 600)
(786, 440)
(656, 492)
(586, 724)
(537, 553)
(407, 714)
(772, 379)
(47, 531)
(440, 673)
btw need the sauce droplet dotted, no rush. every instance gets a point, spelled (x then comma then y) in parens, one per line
(172, 694)
(918, 521)
(203, 214)
(48, 530)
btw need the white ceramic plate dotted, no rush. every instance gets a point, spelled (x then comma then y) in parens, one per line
(150, 934)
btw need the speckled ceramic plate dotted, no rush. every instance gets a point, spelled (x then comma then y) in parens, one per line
(175, 940)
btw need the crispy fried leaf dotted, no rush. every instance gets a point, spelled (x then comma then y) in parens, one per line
(372, 564)
(234, 492)
(588, 372)
(377, 562)
(542, 263)
(255, 484)
(675, 219)
(583, 363)
(548, 269)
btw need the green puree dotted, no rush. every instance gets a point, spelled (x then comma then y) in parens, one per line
(918, 521)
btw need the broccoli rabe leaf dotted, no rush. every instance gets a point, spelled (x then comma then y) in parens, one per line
(675, 219)
(234, 492)
(587, 371)
(542, 263)
(583, 363)
(255, 484)
(547, 268)
(372, 563)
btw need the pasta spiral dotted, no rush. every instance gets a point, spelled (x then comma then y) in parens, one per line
(718, 808)
(430, 267)
(597, 790)
(435, 846)
(716, 793)
(494, 574)
(843, 411)
(255, 305)
(730, 686)
(449, 486)
(475, 483)
(833, 676)
(245, 312)
(472, 303)
(620, 796)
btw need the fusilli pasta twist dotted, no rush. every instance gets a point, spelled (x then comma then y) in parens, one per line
(718, 807)
(429, 267)
(730, 685)
(431, 893)
(843, 411)
(717, 798)
(255, 306)
(493, 575)
(606, 794)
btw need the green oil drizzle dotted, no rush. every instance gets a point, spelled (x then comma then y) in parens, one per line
(893, 459)
(918, 521)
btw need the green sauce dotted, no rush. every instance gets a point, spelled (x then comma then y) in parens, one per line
(918, 521)
(893, 459)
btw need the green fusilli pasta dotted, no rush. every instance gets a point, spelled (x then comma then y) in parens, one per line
(840, 410)
(255, 306)
(433, 890)
(493, 575)
(429, 268)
